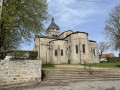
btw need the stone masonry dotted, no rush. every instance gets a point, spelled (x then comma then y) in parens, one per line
(67, 47)
(24, 71)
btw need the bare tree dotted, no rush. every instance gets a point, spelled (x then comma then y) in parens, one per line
(112, 28)
(103, 46)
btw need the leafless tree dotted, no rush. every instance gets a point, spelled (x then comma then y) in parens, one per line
(112, 28)
(103, 46)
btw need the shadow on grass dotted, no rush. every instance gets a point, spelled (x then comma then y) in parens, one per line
(118, 66)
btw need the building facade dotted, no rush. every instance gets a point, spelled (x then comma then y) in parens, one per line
(67, 47)
(103, 57)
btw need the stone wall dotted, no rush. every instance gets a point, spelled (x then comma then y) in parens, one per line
(59, 46)
(78, 39)
(66, 33)
(53, 32)
(18, 72)
(42, 46)
(76, 48)
(94, 54)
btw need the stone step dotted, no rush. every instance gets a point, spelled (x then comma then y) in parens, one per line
(80, 75)
(66, 73)
(74, 75)
(81, 79)
(95, 79)
(99, 70)
(68, 76)
(72, 72)
(107, 74)
(63, 71)
(79, 72)
(63, 77)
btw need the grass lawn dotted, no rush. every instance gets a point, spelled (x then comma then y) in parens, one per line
(47, 65)
(114, 65)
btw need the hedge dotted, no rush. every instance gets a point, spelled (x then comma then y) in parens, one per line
(19, 54)
(113, 59)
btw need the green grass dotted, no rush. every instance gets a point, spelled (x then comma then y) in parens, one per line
(64, 64)
(47, 65)
(114, 65)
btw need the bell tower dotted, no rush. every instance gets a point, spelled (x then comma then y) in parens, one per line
(53, 29)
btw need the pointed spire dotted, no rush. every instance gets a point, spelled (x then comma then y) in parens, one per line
(52, 19)
(53, 25)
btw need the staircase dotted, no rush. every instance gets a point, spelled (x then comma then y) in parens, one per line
(80, 75)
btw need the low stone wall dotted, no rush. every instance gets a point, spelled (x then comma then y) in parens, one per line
(18, 72)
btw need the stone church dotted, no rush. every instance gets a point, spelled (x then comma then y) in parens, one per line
(67, 47)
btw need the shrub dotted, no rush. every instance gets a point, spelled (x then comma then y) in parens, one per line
(2, 54)
(113, 59)
(33, 55)
(20, 54)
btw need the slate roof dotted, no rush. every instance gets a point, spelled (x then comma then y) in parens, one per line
(75, 33)
(53, 25)
(91, 41)
(40, 36)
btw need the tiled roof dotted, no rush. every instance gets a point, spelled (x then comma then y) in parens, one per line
(107, 55)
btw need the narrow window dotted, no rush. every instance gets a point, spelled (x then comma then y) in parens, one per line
(69, 47)
(83, 48)
(55, 52)
(94, 51)
(61, 52)
(76, 48)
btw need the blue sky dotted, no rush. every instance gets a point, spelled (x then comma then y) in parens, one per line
(81, 15)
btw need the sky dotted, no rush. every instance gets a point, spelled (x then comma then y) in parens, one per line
(81, 15)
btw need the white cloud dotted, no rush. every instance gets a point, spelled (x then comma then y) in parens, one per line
(74, 12)
(70, 14)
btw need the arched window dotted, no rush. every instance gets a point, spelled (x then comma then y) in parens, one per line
(61, 52)
(55, 52)
(83, 48)
(77, 49)
(53, 35)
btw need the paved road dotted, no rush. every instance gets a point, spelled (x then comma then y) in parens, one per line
(85, 85)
